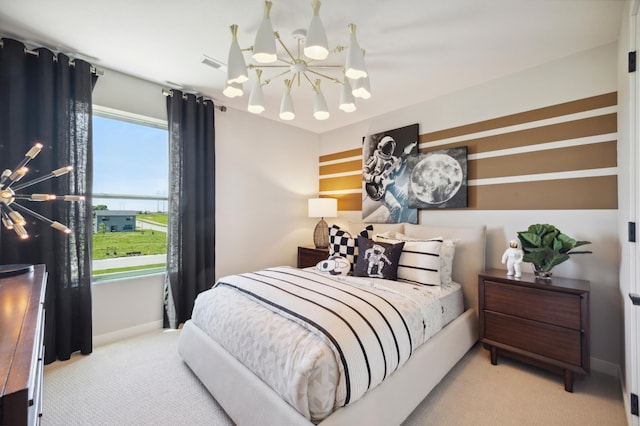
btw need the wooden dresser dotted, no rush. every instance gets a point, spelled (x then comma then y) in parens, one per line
(21, 347)
(542, 322)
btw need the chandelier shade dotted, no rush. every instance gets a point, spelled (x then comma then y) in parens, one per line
(354, 67)
(317, 46)
(361, 89)
(347, 101)
(286, 106)
(304, 63)
(233, 90)
(236, 67)
(264, 48)
(320, 108)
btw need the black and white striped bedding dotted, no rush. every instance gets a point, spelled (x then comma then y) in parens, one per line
(319, 341)
(368, 332)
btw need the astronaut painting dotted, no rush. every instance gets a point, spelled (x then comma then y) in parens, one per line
(385, 175)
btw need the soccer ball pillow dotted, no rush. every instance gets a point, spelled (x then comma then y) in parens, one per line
(335, 265)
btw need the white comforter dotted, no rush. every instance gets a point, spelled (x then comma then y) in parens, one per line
(298, 362)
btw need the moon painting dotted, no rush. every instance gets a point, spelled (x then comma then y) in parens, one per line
(438, 179)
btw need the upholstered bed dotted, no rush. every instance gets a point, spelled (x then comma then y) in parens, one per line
(250, 401)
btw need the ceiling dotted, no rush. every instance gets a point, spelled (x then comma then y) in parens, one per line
(415, 49)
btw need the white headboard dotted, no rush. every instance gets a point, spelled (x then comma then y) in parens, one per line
(469, 258)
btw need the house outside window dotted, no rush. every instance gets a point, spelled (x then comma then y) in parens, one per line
(130, 188)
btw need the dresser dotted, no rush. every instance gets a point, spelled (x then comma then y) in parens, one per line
(310, 256)
(541, 322)
(21, 346)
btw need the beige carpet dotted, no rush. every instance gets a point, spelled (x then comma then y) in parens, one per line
(143, 381)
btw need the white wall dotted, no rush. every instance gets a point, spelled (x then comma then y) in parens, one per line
(589, 73)
(265, 172)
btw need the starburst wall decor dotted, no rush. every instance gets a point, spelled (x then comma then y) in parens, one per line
(9, 196)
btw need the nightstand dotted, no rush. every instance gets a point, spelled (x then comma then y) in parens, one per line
(541, 322)
(310, 256)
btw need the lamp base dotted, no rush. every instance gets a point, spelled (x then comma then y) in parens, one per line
(14, 269)
(321, 234)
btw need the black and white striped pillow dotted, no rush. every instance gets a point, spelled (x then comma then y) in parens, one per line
(420, 260)
(341, 243)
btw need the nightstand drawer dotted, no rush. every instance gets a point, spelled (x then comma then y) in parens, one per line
(547, 340)
(310, 256)
(535, 304)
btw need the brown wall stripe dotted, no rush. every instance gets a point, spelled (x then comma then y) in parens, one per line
(348, 202)
(581, 105)
(599, 125)
(584, 157)
(341, 155)
(341, 183)
(595, 192)
(562, 194)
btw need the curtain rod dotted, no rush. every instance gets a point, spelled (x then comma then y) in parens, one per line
(169, 92)
(94, 70)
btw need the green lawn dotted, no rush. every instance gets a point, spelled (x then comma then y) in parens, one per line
(161, 218)
(117, 244)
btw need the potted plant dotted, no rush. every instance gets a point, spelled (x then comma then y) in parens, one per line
(545, 247)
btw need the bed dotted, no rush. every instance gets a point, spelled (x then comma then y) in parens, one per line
(248, 400)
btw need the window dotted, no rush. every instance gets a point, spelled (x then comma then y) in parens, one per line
(130, 184)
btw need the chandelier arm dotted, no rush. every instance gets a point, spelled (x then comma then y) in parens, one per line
(335, 80)
(276, 76)
(286, 49)
(270, 66)
(32, 213)
(56, 173)
(54, 224)
(324, 66)
(313, 85)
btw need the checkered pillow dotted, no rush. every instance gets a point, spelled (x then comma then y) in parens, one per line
(341, 243)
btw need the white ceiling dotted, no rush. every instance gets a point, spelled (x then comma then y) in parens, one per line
(415, 49)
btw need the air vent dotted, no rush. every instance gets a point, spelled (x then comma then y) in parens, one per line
(213, 63)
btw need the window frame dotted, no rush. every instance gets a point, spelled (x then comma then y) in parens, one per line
(115, 114)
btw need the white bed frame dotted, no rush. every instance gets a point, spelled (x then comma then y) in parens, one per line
(249, 401)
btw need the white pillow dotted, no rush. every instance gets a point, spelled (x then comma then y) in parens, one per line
(419, 261)
(447, 253)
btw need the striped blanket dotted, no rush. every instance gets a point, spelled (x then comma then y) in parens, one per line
(371, 331)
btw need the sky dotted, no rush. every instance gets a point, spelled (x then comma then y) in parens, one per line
(129, 159)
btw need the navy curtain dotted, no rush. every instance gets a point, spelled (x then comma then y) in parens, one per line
(46, 97)
(192, 201)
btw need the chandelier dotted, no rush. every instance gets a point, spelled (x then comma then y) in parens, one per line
(11, 218)
(303, 64)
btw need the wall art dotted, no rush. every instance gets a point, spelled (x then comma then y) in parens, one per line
(438, 179)
(385, 175)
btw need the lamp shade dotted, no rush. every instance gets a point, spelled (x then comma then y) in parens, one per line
(287, 111)
(256, 99)
(354, 67)
(361, 88)
(316, 46)
(323, 207)
(264, 48)
(233, 90)
(236, 66)
(347, 102)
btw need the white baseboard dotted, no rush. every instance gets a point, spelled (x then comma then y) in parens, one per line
(606, 367)
(114, 336)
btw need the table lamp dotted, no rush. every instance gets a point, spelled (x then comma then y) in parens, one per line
(322, 207)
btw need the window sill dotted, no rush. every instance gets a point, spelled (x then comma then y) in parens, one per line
(117, 276)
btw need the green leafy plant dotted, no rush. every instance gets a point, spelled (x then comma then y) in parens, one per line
(546, 247)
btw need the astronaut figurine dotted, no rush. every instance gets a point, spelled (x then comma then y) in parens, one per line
(513, 258)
